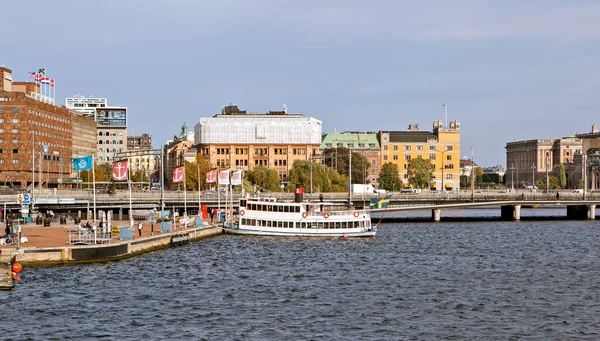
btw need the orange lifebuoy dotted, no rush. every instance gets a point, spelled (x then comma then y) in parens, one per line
(325, 214)
(16, 277)
(242, 212)
(304, 214)
(356, 214)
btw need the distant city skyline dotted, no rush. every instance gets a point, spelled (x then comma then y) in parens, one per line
(507, 70)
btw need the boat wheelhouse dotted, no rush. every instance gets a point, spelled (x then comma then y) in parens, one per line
(268, 216)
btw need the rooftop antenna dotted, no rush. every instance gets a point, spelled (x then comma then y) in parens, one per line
(284, 108)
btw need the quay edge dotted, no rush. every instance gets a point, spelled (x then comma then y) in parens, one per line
(75, 254)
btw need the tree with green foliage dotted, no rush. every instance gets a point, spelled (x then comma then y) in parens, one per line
(420, 173)
(338, 159)
(388, 177)
(265, 179)
(562, 176)
(324, 178)
(553, 181)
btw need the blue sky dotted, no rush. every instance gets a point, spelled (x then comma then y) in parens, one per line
(507, 69)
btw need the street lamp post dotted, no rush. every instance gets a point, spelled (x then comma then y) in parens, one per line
(547, 184)
(445, 105)
(584, 176)
(443, 152)
(32, 169)
(532, 176)
(311, 161)
(472, 174)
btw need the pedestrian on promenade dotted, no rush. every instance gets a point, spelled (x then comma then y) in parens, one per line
(140, 226)
(557, 195)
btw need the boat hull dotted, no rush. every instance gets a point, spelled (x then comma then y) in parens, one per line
(302, 233)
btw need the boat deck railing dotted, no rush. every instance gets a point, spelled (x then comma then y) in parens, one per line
(339, 213)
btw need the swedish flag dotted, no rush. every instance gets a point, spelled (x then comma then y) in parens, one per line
(379, 203)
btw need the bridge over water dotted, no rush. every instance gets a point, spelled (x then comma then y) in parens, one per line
(578, 205)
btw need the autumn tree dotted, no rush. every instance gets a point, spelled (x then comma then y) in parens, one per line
(420, 172)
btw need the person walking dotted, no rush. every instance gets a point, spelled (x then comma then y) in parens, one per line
(140, 226)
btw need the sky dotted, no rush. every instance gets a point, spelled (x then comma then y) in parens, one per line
(508, 69)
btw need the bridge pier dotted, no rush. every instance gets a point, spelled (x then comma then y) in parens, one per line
(577, 212)
(592, 212)
(435, 214)
(510, 212)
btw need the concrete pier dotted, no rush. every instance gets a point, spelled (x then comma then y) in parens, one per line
(578, 212)
(592, 212)
(510, 212)
(435, 215)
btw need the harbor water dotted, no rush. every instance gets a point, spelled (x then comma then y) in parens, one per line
(533, 280)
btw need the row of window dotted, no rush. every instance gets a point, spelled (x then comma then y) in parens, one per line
(108, 158)
(107, 133)
(14, 120)
(350, 145)
(13, 110)
(257, 151)
(304, 225)
(108, 142)
(50, 117)
(46, 125)
(272, 208)
(417, 147)
(114, 150)
(407, 157)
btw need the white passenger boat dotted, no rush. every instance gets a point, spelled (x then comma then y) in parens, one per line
(270, 217)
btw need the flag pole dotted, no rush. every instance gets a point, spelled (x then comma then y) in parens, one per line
(130, 204)
(94, 182)
(184, 192)
(199, 204)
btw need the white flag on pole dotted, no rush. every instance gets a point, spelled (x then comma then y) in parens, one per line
(236, 178)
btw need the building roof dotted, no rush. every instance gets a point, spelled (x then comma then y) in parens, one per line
(411, 136)
(354, 140)
(258, 129)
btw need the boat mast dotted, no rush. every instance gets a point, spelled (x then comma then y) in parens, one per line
(350, 177)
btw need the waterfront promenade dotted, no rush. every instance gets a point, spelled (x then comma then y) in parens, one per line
(50, 245)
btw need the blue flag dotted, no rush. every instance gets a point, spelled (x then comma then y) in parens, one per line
(82, 163)
(379, 203)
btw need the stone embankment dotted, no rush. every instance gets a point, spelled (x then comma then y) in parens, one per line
(49, 245)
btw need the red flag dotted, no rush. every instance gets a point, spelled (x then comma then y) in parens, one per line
(120, 170)
(211, 176)
(178, 174)
(52, 82)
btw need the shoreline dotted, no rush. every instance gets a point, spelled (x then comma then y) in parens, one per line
(48, 246)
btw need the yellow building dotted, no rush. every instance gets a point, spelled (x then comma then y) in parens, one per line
(441, 146)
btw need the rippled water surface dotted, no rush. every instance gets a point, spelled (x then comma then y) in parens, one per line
(414, 281)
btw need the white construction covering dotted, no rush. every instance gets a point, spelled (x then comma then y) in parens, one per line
(245, 129)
